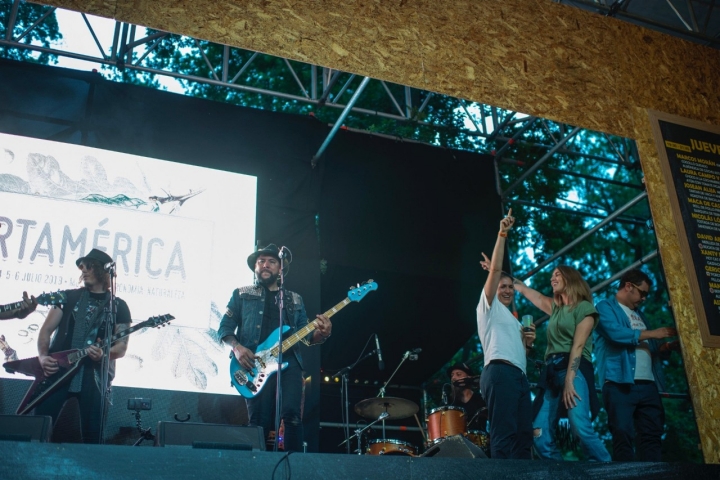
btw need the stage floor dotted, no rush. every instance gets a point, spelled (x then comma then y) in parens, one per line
(25, 460)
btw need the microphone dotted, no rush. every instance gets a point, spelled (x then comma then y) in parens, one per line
(381, 363)
(444, 395)
(109, 266)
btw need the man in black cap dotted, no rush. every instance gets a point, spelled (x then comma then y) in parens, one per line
(463, 396)
(76, 324)
(252, 315)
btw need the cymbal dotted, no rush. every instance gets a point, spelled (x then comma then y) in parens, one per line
(395, 407)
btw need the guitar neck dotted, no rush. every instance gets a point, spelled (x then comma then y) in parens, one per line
(309, 328)
(10, 307)
(124, 333)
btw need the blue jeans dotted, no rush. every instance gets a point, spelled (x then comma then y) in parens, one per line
(578, 416)
(507, 394)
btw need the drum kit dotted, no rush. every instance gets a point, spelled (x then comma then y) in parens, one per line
(442, 423)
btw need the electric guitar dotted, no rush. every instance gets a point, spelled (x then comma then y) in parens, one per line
(249, 383)
(69, 362)
(55, 298)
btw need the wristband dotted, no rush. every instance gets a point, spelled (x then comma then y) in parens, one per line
(502, 234)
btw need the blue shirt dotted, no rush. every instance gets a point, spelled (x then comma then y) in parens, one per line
(615, 343)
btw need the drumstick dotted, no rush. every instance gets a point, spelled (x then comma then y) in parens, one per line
(422, 430)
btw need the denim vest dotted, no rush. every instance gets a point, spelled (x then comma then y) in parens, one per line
(244, 315)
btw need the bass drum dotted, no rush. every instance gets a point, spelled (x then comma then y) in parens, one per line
(481, 439)
(445, 422)
(390, 447)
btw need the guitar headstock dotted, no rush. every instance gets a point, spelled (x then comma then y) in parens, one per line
(358, 293)
(54, 298)
(157, 321)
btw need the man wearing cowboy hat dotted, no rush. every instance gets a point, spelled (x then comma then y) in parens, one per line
(252, 315)
(79, 321)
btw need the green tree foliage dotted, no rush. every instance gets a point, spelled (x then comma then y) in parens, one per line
(44, 34)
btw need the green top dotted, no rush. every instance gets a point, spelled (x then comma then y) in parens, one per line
(561, 328)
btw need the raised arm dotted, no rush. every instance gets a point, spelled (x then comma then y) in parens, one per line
(536, 298)
(494, 265)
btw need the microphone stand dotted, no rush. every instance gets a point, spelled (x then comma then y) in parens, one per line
(344, 392)
(110, 316)
(381, 393)
(278, 389)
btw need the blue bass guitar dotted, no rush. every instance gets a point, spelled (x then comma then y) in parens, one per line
(249, 383)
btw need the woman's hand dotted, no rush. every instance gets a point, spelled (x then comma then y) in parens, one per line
(569, 393)
(485, 264)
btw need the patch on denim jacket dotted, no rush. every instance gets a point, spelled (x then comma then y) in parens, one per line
(250, 290)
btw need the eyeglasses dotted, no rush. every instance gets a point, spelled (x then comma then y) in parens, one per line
(643, 293)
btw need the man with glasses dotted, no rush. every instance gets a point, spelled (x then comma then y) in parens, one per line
(627, 355)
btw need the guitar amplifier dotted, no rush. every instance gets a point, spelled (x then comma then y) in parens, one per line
(209, 435)
(25, 428)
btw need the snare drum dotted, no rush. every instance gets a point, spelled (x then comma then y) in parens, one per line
(390, 447)
(445, 422)
(481, 439)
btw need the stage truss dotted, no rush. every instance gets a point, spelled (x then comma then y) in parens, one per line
(488, 129)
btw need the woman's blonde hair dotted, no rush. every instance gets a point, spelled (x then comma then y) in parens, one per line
(576, 288)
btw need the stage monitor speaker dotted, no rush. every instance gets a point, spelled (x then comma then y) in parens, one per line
(209, 435)
(25, 428)
(456, 446)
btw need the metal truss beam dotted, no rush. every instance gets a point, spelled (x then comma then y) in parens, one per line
(585, 234)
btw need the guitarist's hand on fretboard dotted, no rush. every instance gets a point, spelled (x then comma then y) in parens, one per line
(94, 352)
(48, 364)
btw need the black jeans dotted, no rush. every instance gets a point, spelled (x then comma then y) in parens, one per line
(506, 391)
(261, 408)
(88, 402)
(630, 407)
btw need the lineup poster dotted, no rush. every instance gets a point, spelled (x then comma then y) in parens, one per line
(692, 155)
(179, 235)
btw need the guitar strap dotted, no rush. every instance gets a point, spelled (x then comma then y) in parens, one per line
(93, 323)
(85, 329)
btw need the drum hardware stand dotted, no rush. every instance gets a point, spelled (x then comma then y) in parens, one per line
(359, 431)
(344, 391)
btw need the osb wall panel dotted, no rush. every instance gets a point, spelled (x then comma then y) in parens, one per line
(532, 56)
(701, 364)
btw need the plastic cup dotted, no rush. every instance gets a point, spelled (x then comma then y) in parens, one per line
(527, 320)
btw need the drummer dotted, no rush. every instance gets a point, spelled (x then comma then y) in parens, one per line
(463, 396)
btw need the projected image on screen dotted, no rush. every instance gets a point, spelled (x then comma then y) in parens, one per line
(179, 235)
